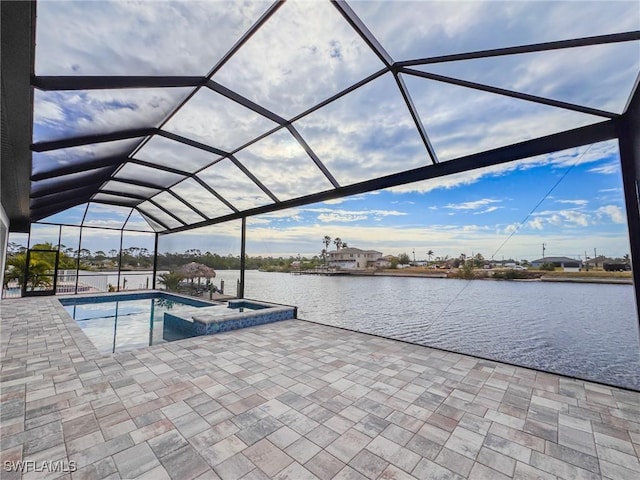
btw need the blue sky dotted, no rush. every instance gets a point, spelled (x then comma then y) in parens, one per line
(305, 53)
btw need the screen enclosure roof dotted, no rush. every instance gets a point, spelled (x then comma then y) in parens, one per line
(192, 113)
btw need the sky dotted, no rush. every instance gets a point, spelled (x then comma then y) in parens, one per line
(306, 52)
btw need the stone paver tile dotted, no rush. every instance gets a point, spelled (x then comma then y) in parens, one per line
(259, 430)
(339, 424)
(157, 473)
(84, 442)
(576, 439)
(474, 423)
(424, 447)
(617, 472)
(397, 434)
(267, 457)
(219, 452)
(427, 470)
(275, 407)
(454, 461)
(324, 465)
(151, 430)
(515, 435)
(256, 474)
(102, 450)
(613, 442)
(434, 433)
(348, 445)
(574, 457)
(104, 468)
(190, 424)
(482, 472)
(371, 425)
(322, 436)
(184, 463)
(298, 422)
(302, 450)
(508, 448)
(496, 461)
(394, 473)
(542, 430)
(527, 472)
(79, 427)
(560, 468)
(617, 457)
(465, 442)
(283, 437)
(348, 473)
(234, 468)
(370, 465)
(166, 443)
(295, 471)
(136, 460)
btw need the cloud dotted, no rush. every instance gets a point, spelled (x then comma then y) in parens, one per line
(487, 210)
(607, 169)
(340, 217)
(574, 202)
(473, 205)
(615, 213)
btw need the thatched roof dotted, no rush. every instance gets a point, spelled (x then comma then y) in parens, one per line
(196, 270)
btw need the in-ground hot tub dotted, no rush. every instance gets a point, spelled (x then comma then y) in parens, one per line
(235, 314)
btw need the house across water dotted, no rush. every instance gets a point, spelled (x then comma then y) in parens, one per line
(355, 259)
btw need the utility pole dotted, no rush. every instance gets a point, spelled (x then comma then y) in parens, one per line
(595, 259)
(414, 256)
(544, 247)
(586, 260)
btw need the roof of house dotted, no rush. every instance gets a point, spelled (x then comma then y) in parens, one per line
(354, 250)
(555, 260)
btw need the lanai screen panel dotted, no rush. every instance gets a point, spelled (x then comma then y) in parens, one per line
(192, 113)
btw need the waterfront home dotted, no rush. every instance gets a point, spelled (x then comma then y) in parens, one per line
(566, 263)
(354, 259)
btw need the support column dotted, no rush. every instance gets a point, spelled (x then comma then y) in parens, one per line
(629, 142)
(155, 261)
(243, 252)
(120, 259)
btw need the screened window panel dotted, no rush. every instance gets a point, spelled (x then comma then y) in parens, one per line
(141, 38)
(480, 121)
(573, 75)
(216, 121)
(69, 241)
(202, 199)
(152, 223)
(305, 53)
(161, 178)
(44, 162)
(137, 222)
(100, 215)
(122, 187)
(281, 164)
(107, 197)
(159, 214)
(62, 114)
(168, 153)
(178, 208)
(411, 30)
(44, 236)
(234, 186)
(74, 178)
(366, 134)
(70, 216)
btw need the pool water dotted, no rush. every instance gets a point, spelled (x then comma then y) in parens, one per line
(125, 322)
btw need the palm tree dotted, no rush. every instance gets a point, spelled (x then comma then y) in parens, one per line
(326, 241)
(170, 280)
(429, 255)
(338, 243)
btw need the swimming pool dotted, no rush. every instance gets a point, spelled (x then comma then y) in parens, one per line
(121, 322)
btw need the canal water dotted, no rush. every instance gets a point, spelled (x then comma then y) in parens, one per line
(588, 331)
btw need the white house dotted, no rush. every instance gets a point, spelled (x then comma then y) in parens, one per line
(353, 259)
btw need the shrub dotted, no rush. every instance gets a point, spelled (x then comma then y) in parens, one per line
(548, 266)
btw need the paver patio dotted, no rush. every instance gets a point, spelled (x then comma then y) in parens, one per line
(295, 400)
